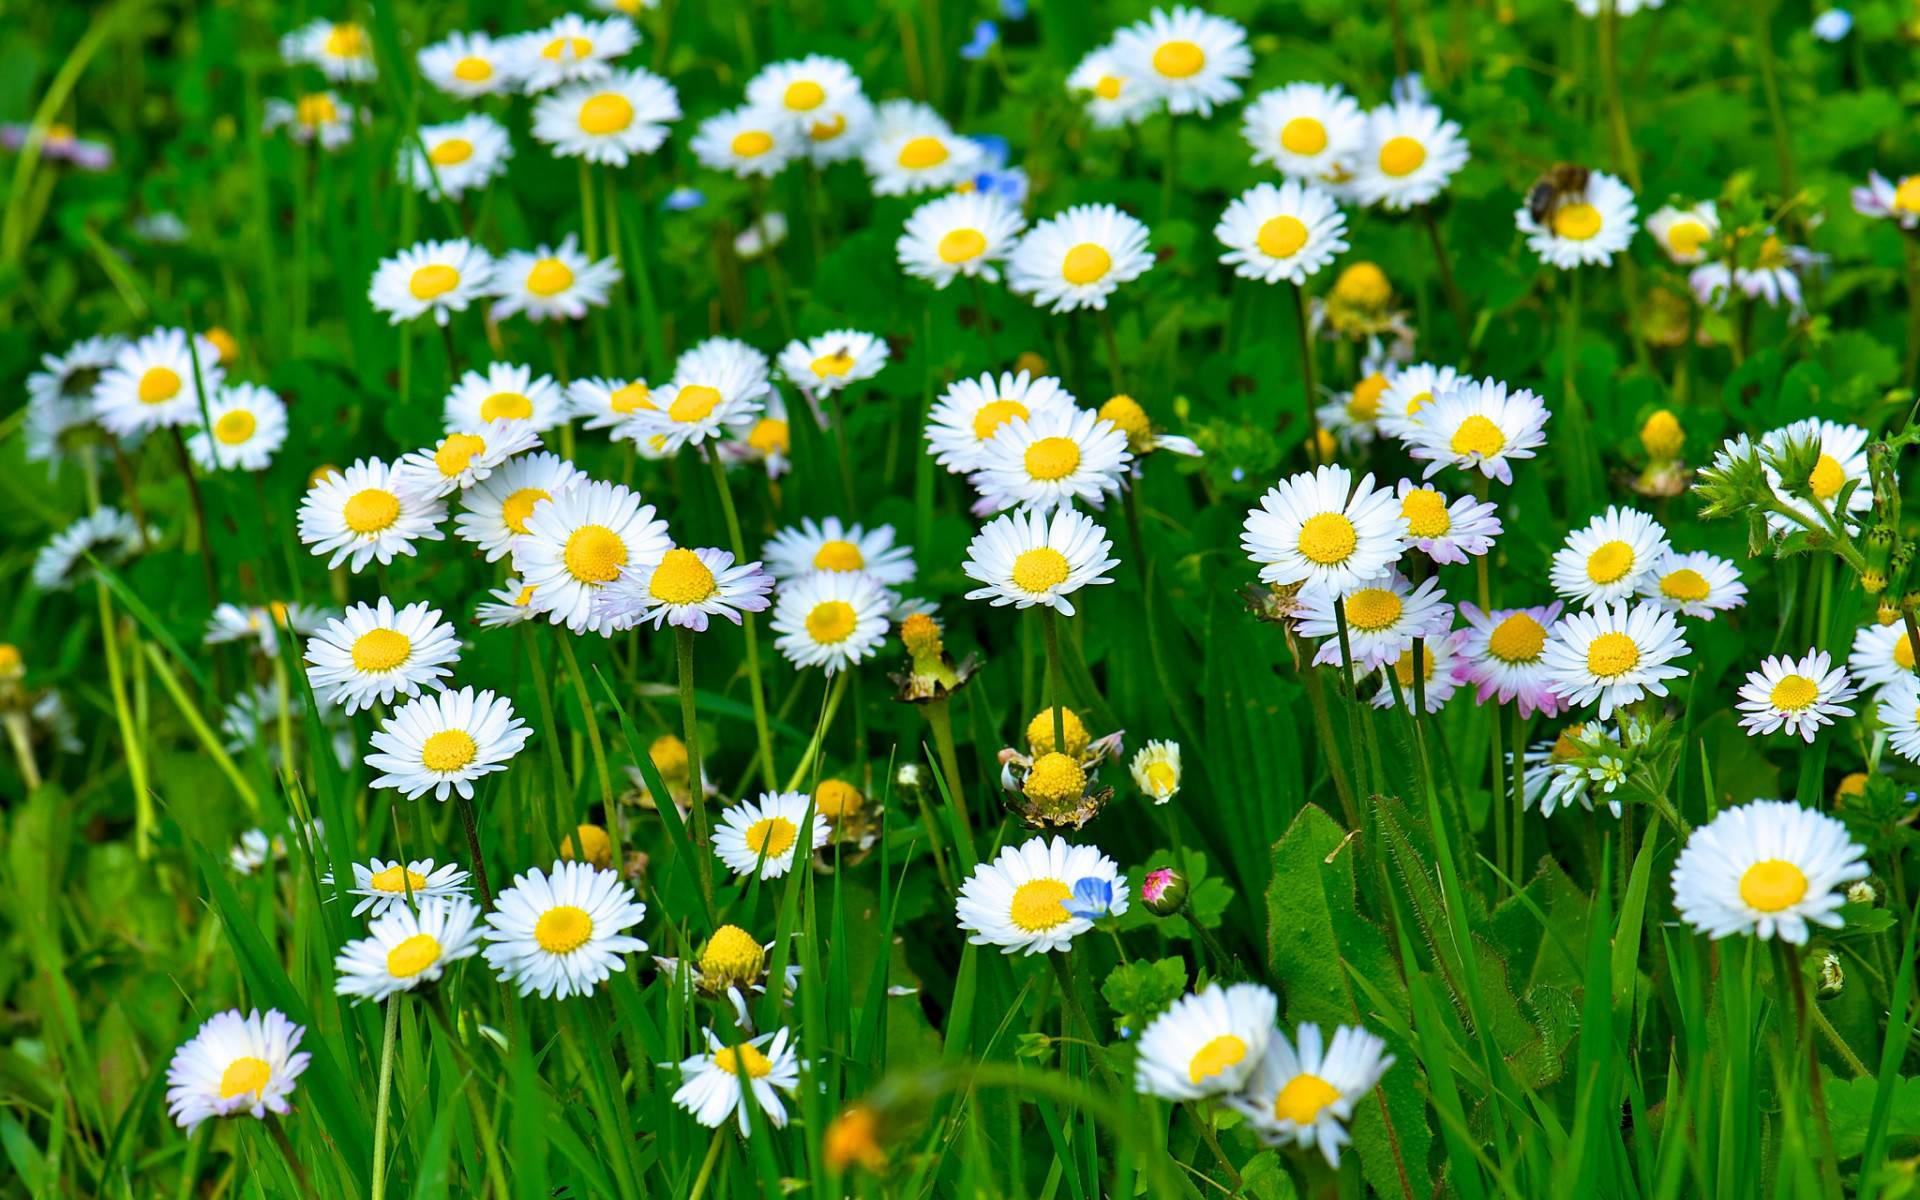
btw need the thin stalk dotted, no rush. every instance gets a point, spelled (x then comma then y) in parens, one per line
(1456, 303)
(381, 1109)
(1362, 752)
(299, 1170)
(940, 718)
(689, 720)
(468, 818)
(1789, 963)
(1055, 693)
(1169, 167)
(756, 687)
(1213, 1143)
(1623, 157)
(144, 819)
(1770, 85)
(607, 801)
(706, 1166)
(1302, 328)
(1910, 372)
(17, 731)
(835, 691)
(1113, 350)
(1581, 486)
(207, 567)
(1070, 1000)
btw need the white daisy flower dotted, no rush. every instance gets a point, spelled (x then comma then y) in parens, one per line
(1354, 418)
(1207, 1043)
(1305, 1096)
(721, 355)
(831, 619)
(1111, 97)
(1798, 696)
(1409, 155)
(1408, 392)
(234, 1065)
(152, 384)
(1383, 617)
(1156, 770)
(506, 392)
(1320, 529)
(830, 545)
(842, 135)
(748, 141)
(1609, 559)
(767, 442)
(261, 624)
(1614, 655)
(1504, 656)
(966, 233)
(1882, 655)
(468, 65)
(441, 743)
(576, 544)
(512, 603)
(1766, 869)
(1036, 557)
(494, 511)
(460, 460)
(381, 885)
(362, 514)
(832, 361)
(569, 49)
(339, 48)
(710, 1086)
(60, 396)
(1447, 532)
(1191, 60)
(683, 589)
(608, 120)
(1143, 438)
(1478, 425)
(1583, 230)
(1843, 460)
(1288, 232)
(248, 424)
(375, 652)
(1695, 584)
(107, 534)
(1772, 276)
(972, 411)
(713, 402)
(552, 281)
(405, 948)
(560, 932)
(1685, 234)
(1565, 769)
(1019, 900)
(441, 278)
(254, 849)
(1078, 258)
(314, 117)
(1899, 713)
(806, 91)
(764, 835)
(1883, 199)
(1050, 460)
(456, 158)
(1439, 674)
(912, 149)
(607, 403)
(1306, 131)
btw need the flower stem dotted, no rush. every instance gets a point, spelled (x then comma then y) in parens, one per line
(381, 1107)
(465, 804)
(1456, 303)
(1910, 373)
(1302, 327)
(706, 1166)
(1070, 1000)
(696, 787)
(756, 687)
(940, 718)
(607, 801)
(1623, 157)
(1050, 633)
(1580, 482)
(207, 567)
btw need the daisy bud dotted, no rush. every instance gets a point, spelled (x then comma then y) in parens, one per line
(593, 845)
(1164, 892)
(1363, 285)
(224, 343)
(1862, 892)
(1661, 435)
(1876, 545)
(836, 798)
(1852, 786)
(731, 958)
(1125, 412)
(669, 755)
(1055, 783)
(1832, 978)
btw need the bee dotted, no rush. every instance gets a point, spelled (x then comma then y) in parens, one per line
(1561, 182)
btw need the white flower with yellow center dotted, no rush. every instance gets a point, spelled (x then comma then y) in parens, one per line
(1031, 558)
(375, 652)
(607, 403)
(405, 948)
(1584, 229)
(1156, 770)
(748, 142)
(831, 619)
(106, 534)
(684, 589)
(1447, 531)
(511, 603)
(1439, 675)
(1306, 131)
(712, 402)
(60, 395)
(1409, 391)
(1207, 1043)
(261, 624)
(1321, 529)
(913, 149)
(552, 281)
(235, 1064)
(1353, 417)
(152, 384)
(1695, 584)
(1052, 459)
(1504, 656)
(610, 120)
(1609, 559)
(1772, 276)
(1288, 232)
(1561, 770)
(831, 545)
(720, 355)
(972, 412)
(381, 885)
(1843, 460)
(711, 1086)
(577, 543)
(1685, 234)
(1143, 438)
(245, 424)
(494, 512)
(1797, 696)
(460, 460)
(1885, 199)
(1613, 655)
(966, 233)
(1766, 869)
(833, 361)
(314, 117)
(1899, 714)
(1478, 425)
(560, 932)
(456, 158)
(443, 742)
(571, 49)
(1882, 655)
(341, 49)
(506, 392)
(805, 92)
(1110, 96)
(1304, 1096)
(762, 836)
(1384, 615)
(362, 514)
(468, 65)
(842, 135)
(1017, 901)
(1079, 257)
(1191, 60)
(1408, 156)
(441, 278)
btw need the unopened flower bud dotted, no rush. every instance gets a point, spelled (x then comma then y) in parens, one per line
(1164, 892)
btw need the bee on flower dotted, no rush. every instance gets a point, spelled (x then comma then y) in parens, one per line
(1583, 218)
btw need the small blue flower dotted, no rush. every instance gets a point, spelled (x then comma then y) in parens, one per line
(985, 34)
(1833, 25)
(1014, 10)
(995, 177)
(684, 199)
(1092, 898)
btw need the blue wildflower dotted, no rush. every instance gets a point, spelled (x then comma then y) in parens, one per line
(985, 34)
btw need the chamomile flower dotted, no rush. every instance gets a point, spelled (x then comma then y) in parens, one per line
(340, 49)
(456, 158)
(460, 460)
(1613, 655)
(1052, 459)
(1353, 417)
(1624, 8)
(721, 355)
(1766, 869)
(107, 534)
(966, 233)
(576, 544)
(1899, 713)
(1030, 558)
(913, 149)
(252, 721)
(1685, 234)
(246, 424)
(607, 403)
(1207, 1043)
(805, 91)
(261, 624)
(571, 48)
(1408, 392)
(405, 948)
(1321, 529)
(683, 589)
(1694, 584)
(1189, 59)
(381, 885)
(1884, 199)
(321, 117)
(831, 620)
(1287, 232)
(1584, 229)
(712, 402)
(1447, 532)
(511, 604)
(1479, 425)
(832, 361)
(1439, 674)
(1383, 617)
(1842, 460)
(441, 278)
(763, 836)
(1798, 696)
(443, 742)
(830, 545)
(1156, 770)
(748, 141)
(768, 441)
(1017, 900)
(1079, 258)
(363, 514)
(1773, 276)
(841, 135)
(60, 396)
(710, 1083)
(1306, 131)
(1573, 766)
(235, 1064)
(1304, 1094)
(1111, 97)
(1408, 156)
(153, 383)
(494, 511)
(1609, 559)
(1503, 656)
(1882, 655)
(552, 281)
(1130, 417)
(467, 65)
(560, 932)
(610, 120)
(505, 393)
(972, 412)
(375, 652)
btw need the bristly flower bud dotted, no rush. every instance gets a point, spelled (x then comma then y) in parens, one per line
(1876, 546)
(1164, 892)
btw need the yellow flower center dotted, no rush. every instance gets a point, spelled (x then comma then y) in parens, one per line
(836, 798)
(1903, 652)
(1772, 884)
(1055, 780)
(962, 245)
(563, 929)
(771, 836)
(1476, 435)
(1303, 1098)
(451, 152)
(1686, 585)
(1036, 905)
(1328, 538)
(549, 277)
(1040, 570)
(994, 414)
(1518, 639)
(519, 506)
(398, 880)
(1086, 263)
(831, 622)
(244, 1075)
(1794, 693)
(1053, 458)
(923, 152)
(1402, 156)
(346, 40)
(457, 452)
(159, 385)
(693, 402)
(829, 366)
(524, 598)
(631, 398)
(1131, 419)
(752, 143)
(1365, 403)
(1363, 285)
(1611, 655)
(1216, 1056)
(732, 956)
(234, 427)
(413, 956)
(1163, 777)
(1906, 197)
(1426, 513)
(1107, 87)
(1403, 667)
(826, 131)
(1827, 479)
(434, 279)
(1685, 238)
(839, 555)
(743, 1058)
(566, 47)
(804, 95)
(605, 114)
(1373, 609)
(1303, 135)
(371, 510)
(448, 750)
(1610, 562)
(1179, 60)
(595, 554)
(510, 406)
(770, 435)
(380, 650)
(681, 578)
(1281, 237)
(473, 70)
(316, 109)
(1576, 222)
